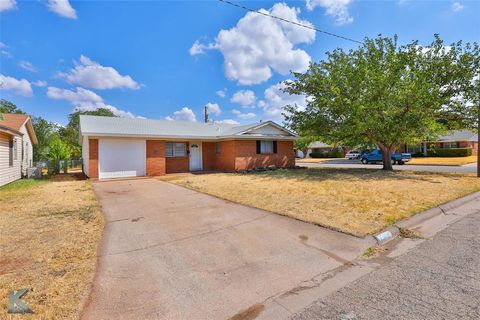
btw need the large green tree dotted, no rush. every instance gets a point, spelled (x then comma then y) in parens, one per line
(44, 130)
(9, 107)
(387, 94)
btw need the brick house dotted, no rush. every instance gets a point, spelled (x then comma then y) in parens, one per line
(124, 147)
(453, 139)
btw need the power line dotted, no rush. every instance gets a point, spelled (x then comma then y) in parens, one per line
(289, 21)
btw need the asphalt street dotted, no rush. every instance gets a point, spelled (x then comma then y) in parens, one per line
(341, 163)
(438, 279)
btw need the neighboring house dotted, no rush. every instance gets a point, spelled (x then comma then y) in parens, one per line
(124, 147)
(319, 146)
(16, 152)
(454, 139)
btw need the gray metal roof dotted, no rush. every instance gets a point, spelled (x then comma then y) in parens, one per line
(319, 144)
(138, 127)
(459, 135)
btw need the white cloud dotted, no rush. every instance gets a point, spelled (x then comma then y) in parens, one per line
(21, 87)
(92, 106)
(199, 48)
(244, 98)
(248, 115)
(222, 93)
(6, 5)
(227, 121)
(80, 95)
(184, 114)
(258, 45)
(214, 108)
(40, 83)
(457, 6)
(3, 48)
(2, 45)
(337, 9)
(276, 99)
(62, 8)
(91, 74)
(27, 66)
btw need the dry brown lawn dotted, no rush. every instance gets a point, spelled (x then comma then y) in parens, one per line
(355, 201)
(451, 161)
(49, 236)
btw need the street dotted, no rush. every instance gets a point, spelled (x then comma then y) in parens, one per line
(341, 163)
(438, 279)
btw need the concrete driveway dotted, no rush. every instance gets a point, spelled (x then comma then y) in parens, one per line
(173, 253)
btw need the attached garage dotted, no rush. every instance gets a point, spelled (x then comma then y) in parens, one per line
(119, 158)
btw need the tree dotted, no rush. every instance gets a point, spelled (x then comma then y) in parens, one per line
(57, 150)
(303, 143)
(70, 133)
(44, 130)
(387, 94)
(9, 107)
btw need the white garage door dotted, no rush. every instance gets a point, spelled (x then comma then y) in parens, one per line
(119, 158)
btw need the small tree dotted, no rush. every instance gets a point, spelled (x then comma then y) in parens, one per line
(58, 150)
(303, 143)
(386, 94)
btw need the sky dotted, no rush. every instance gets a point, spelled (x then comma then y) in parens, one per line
(169, 59)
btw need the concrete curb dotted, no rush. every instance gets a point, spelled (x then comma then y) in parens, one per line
(393, 231)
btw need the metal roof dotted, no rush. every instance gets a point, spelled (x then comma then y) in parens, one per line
(138, 127)
(319, 144)
(459, 135)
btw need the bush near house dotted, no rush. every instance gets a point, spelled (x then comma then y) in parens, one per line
(453, 152)
(335, 153)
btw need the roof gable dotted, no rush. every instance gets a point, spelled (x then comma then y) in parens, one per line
(15, 122)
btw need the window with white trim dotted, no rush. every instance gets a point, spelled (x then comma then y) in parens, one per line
(449, 145)
(266, 146)
(175, 149)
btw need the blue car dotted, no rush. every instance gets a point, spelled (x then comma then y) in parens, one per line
(376, 156)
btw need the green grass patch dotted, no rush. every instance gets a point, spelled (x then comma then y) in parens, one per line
(24, 184)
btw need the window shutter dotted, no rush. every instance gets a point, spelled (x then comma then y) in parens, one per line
(10, 153)
(274, 146)
(258, 147)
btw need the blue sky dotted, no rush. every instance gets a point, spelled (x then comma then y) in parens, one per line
(168, 59)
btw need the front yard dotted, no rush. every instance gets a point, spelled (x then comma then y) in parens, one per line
(50, 231)
(356, 201)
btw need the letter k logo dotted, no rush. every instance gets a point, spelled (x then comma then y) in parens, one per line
(15, 305)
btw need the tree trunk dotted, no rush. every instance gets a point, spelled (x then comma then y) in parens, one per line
(387, 159)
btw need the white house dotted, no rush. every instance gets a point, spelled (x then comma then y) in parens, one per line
(16, 146)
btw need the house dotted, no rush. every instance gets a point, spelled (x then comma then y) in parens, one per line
(320, 147)
(16, 146)
(453, 139)
(115, 147)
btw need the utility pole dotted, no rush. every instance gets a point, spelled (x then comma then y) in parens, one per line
(478, 128)
(206, 114)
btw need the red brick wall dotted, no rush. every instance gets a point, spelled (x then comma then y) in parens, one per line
(93, 157)
(247, 157)
(208, 156)
(177, 164)
(225, 160)
(155, 158)
(469, 144)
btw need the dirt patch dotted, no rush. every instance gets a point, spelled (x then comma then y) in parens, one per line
(50, 231)
(355, 201)
(249, 314)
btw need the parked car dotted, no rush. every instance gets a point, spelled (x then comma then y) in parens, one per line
(354, 154)
(376, 156)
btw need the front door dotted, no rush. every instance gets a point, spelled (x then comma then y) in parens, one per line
(195, 156)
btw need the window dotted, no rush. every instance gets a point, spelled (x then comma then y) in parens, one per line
(266, 146)
(176, 149)
(449, 145)
(415, 149)
(15, 152)
(217, 147)
(10, 153)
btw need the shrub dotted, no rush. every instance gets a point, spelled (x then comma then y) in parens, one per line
(418, 154)
(453, 152)
(336, 153)
(323, 154)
